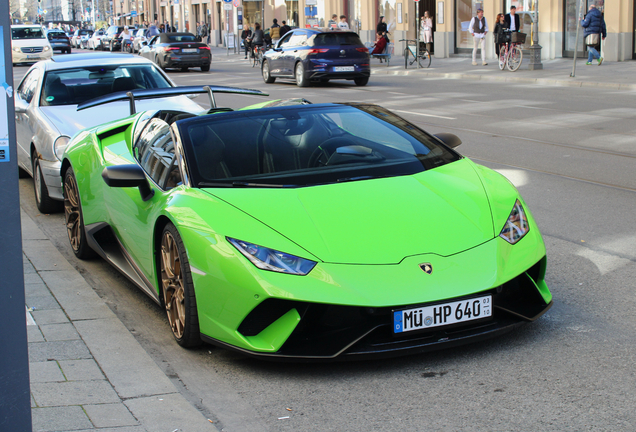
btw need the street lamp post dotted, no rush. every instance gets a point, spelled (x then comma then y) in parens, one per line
(535, 48)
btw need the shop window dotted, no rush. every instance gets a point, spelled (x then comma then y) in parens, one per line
(465, 10)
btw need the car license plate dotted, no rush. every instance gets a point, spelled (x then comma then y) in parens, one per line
(343, 69)
(442, 314)
(189, 50)
(33, 56)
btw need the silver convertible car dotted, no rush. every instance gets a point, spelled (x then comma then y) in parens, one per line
(46, 109)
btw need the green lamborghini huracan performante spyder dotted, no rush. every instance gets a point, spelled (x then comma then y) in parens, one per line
(290, 230)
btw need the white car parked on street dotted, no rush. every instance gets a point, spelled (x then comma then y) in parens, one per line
(29, 44)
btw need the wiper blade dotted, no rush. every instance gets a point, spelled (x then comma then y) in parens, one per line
(349, 179)
(246, 185)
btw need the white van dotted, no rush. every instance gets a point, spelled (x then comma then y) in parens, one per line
(29, 44)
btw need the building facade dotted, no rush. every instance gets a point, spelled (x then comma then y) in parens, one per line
(556, 20)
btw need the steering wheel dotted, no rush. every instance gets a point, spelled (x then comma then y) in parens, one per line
(320, 156)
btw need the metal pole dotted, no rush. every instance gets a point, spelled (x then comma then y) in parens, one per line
(417, 34)
(15, 397)
(576, 42)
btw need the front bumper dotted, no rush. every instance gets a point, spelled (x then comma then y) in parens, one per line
(20, 57)
(51, 174)
(343, 311)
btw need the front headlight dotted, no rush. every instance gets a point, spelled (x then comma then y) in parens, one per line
(17, 49)
(273, 260)
(60, 145)
(47, 48)
(516, 226)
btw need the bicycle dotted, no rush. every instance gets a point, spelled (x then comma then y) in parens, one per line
(257, 54)
(510, 53)
(424, 59)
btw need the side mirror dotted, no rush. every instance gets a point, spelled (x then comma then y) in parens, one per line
(449, 139)
(128, 176)
(20, 104)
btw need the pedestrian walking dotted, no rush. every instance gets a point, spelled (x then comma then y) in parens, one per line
(426, 31)
(479, 28)
(343, 25)
(274, 31)
(500, 37)
(284, 29)
(333, 22)
(246, 35)
(595, 30)
(512, 20)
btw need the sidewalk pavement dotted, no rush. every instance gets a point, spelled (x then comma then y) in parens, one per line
(610, 75)
(87, 371)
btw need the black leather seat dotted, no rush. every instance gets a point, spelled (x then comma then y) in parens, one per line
(123, 84)
(209, 151)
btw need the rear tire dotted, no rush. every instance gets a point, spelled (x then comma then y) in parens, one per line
(177, 289)
(425, 59)
(74, 218)
(205, 68)
(43, 201)
(361, 81)
(265, 71)
(299, 73)
(184, 69)
(22, 173)
(406, 58)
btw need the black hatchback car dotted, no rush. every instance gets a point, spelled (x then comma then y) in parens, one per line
(59, 40)
(111, 40)
(317, 54)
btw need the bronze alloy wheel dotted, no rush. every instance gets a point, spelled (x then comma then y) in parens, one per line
(177, 289)
(172, 282)
(73, 218)
(72, 212)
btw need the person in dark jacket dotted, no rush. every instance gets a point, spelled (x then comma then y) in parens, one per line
(245, 35)
(284, 29)
(381, 28)
(257, 39)
(500, 26)
(594, 24)
(512, 19)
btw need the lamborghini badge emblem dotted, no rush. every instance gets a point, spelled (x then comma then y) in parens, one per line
(427, 267)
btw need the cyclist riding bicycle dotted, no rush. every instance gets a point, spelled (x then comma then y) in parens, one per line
(257, 39)
(126, 38)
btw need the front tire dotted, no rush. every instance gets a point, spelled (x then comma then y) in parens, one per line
(301, 81)
(74, 219)
(361, 81)
(42, 199)
(515, 59)
(178, 289)
(266, 75)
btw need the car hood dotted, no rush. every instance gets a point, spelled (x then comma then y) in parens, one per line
(69, 121)
(379, 221)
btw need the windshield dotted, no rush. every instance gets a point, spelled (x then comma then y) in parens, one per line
(304, 146)
(77, 85)
(27, 33)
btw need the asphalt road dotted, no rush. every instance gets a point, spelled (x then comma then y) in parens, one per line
(572, 154)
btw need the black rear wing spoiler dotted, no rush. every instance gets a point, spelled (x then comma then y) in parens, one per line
(133, 95)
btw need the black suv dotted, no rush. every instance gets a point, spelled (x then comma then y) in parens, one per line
(111, 40)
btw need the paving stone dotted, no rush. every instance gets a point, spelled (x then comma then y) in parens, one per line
(167, 413)
(33, 404)
(42, 302)
(33, 286)
(81, 370)
(59, 419)
(79, 300)
(73, 393)
(30, 230)
(126, 364)
(51, 316)
(110, 415)
(48, 371)
(44, 255)
(59, 332)
(34, 334)
(62, 350)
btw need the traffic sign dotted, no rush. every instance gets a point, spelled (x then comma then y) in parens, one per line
(133, 13)
(227, 6)
(227, 1)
